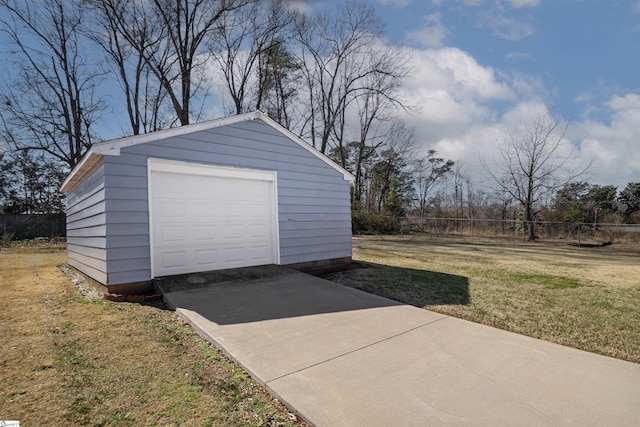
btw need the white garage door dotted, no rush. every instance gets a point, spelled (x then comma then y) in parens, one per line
(210, 218)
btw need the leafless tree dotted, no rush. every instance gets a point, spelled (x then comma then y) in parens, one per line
(124, 31)
(242, 44)
(341, 54)
(535, 163)
(174, 48)
(50, 104)
(366, 144)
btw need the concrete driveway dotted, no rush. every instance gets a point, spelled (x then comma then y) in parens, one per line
(342, 357)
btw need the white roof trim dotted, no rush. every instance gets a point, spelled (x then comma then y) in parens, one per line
(112, 147)
(86, 164)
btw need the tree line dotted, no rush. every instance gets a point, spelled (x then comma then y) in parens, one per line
(314, 73)
(328, 75)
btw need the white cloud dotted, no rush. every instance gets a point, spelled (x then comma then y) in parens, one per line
(465, 2)
(301, 6)
(523, 113)
(463, 109)
(589, 107)
(523, 3)
(457, 74)
(528, 56)
(503, 26)
(459, 116)
(610, 147)
(528, 86)
(466, 78)
(432, 33)
(584, 97)
(513, 3)
(613, 145)
(396, 3)
(629, 103)
(452, 94)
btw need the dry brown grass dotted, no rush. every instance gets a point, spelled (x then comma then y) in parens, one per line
(68, 361)
(587, 298)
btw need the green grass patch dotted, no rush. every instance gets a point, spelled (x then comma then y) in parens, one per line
(548, 281)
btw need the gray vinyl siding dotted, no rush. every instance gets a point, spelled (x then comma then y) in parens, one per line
(128, 221)
(86, 225)
(313, 198)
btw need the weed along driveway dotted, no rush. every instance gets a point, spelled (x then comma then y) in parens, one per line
(340, 356)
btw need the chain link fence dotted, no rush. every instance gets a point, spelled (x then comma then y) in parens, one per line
(544, 230)
(31, 226)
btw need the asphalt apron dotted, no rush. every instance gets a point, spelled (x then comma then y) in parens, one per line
(341, 357)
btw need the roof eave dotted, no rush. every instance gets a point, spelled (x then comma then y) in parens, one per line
(85, 166)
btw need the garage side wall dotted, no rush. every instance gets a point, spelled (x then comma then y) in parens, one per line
(314, 211)
(86, 225)
(127, 220)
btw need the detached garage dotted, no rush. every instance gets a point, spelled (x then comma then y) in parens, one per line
(234, 192)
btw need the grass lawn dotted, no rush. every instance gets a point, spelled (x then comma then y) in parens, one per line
(65, 360)
(587, 298)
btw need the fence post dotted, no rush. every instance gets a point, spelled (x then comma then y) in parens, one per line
(579, 240)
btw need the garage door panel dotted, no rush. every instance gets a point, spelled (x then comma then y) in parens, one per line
(259, 253)
(234, 210)
(234, 254)
(202, 222)
(174, 185)
(173, 260)
(253, 210)
(206, 258)
(205, 235)
(167, 209)
(199, 187)
(173, 234)
(258, 231)
(232, 232)
(204, 209)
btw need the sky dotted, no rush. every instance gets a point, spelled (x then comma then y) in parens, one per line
(481, 67)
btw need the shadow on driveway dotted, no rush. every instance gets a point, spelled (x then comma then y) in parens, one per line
(262, 293)
(410, 286)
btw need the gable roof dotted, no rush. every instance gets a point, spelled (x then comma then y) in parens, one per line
(113, 147)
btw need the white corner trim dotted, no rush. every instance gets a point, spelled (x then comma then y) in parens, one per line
(151, 219)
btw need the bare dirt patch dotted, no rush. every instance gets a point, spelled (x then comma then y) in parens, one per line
(68, 360)
(587, 298)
